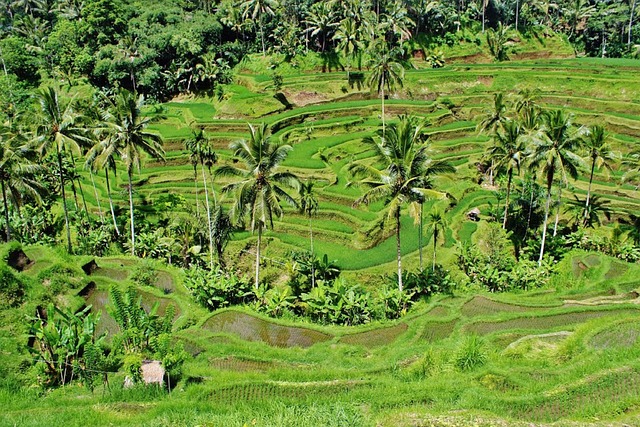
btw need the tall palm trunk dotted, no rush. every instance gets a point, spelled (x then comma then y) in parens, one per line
(633, 8)
(113, 214)
(195, 181)
(313, 272)
(264, 51)
(586, 206)
(383, 134)
(399, 253)
(420, 236)
(544, 224)
(84, 200)
(435, 242)
(64, 201)
(506, 204)
(555, 226)
(95, 192)
(206, 198)
(133, 232)
(7, 228)
(257, 281)
(517, 13)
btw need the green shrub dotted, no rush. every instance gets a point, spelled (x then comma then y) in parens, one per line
(12, 288)
(145, 274)
(471, 354)
(217, 289)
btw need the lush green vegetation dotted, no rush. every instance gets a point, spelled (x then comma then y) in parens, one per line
(415, 214)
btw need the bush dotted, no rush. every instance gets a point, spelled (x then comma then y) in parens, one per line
(471, 354)
(12, 288)
(423, 284)
(217, 289)
(145, 274)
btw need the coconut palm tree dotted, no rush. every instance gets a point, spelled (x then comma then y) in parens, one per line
(129, 138)
(103, 155)
(309, 206)
(386, 72)
(507, 151)
(259, 188)
(16, 172)
(60, 129)
(600, 154)
(399, 176)
(553, 152)
(321, 19)
(437, 222)
(257, 10)
(201, 152)
(491, 120)
(348, 37)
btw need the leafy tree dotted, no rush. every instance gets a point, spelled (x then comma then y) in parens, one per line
(16, 172)
(553, 151)
(63, 340)
(438, 224)
(491, 121)
(348, 37)
(600, 154)
(127, 129)
(508, 151)
(309, 206)
(260, 188)
(60, 129)
(258, 9)
(498, 42)
(201, 152)
(399, 175)
(386, 72)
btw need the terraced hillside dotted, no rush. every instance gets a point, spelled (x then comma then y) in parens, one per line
(327, 119)
(567, 355)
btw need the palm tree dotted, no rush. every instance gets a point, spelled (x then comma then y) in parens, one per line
(260, 189)
(103, 155)
(553, 152)
(589, 215)
(16, 172)
(348, 37)
(385, 72)
(201, 152)
(507, 151)
(129, 139)
(437, 222)
(309, 206)
(320, 20)
(491, 120)
(399, 175)
(59, 130)
(599, 152)
(257, 9)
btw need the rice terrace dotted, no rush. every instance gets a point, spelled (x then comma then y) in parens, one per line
(302, 213)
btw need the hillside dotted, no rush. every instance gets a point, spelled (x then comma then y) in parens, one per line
(568, 352)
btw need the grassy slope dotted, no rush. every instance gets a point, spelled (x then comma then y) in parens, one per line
(566, 354)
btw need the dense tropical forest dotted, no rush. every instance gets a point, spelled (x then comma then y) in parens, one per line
(319, 213)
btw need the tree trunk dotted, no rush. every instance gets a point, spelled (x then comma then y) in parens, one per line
(530, 210)
(195, 180)
(264, 51)
(420, 236)
(435, 242)
(313, 272)
(7, 228)
(206, 198)
(133, 232)
(64, 202)
(544, 224)
(633, 8)
(257, 280)
(517, 13)
(555, 226)
(398, 251)
(383, 134)
(586, 206)
(506, 204)
(95, 192)
(484, 7)
(113, 214)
